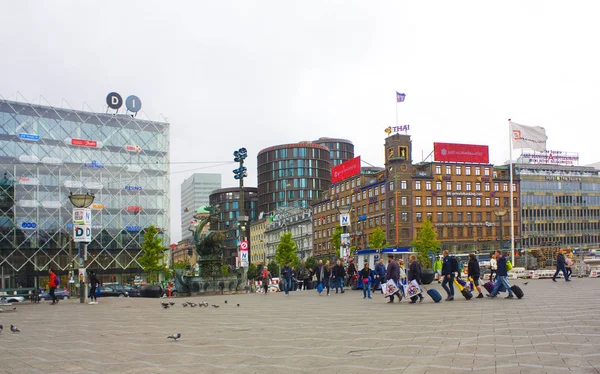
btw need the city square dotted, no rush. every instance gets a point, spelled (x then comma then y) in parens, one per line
(552, 329)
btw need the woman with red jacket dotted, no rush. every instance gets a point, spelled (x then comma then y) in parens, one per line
(52, 283)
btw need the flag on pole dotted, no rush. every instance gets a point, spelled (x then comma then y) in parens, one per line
(400, 97)
(532, 137)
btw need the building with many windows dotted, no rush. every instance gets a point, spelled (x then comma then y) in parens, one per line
(464, 203)
(46, 153)
(294, 220)
(195, 191)
(258, 251)
(292, 175)
(340, 150)
(228, 202)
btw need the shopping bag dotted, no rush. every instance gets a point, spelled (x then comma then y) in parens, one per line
(411, 289)
(320, 287)
(459, 285)
(389, 288)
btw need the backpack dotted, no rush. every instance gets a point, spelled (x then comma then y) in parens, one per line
(453, 264)
(57, 282)
(508, 265)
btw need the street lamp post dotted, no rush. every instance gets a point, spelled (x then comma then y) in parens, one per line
(500, 213)
(239, 174)
(82, 201)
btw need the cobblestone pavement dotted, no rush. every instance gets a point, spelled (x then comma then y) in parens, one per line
(555, 328)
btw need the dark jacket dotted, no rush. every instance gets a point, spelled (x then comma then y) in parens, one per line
(380, 270)
(414, 272)
(501, 266)
(317, 271)
(365, 273)
(94, 280)
(447, 266)
(338, 272)
(351, 269)
(286, 272)
(473, 268)
(560, 260)
(393, 271)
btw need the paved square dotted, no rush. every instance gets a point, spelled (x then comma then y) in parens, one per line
(555, 328)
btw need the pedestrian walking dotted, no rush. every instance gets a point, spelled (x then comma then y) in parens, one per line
(337, 275)
(561, 266)
(327, 276)
(94, 283)
(352, 272)
(366, 277)
(448, 277)
(501, 277)
(320, 275)
(569, 264)
(414, 274)
(286, 274)
(266, 279)
(474, 273)
(437, 267)
(52, 284)
(379, 275)
(393, 272)
(493, 266)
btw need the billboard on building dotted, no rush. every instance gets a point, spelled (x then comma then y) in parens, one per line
(345, 170)
(451, 152)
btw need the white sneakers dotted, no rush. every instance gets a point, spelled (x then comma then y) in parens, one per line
(93, 303)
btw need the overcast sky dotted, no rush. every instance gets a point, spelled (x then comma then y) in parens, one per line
(228, 74)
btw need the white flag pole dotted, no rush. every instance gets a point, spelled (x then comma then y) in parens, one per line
(512, 215)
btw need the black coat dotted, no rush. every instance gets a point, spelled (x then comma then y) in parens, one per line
(473, 268)
(338, 271)
(414, 272)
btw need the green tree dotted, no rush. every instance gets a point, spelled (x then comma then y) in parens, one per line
(252, 271)
(336, 240)
(310, 263)
(425, 242)
(273, 269)
(287, 251)
(178, 265)
(153, 254)
(377, 239)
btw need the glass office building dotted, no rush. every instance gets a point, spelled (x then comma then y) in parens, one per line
(47, 153)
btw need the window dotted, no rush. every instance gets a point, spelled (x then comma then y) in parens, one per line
(488, 216)
(486, 186)
(428, 201)
(468, 201)
(438, 201)
(404, 200)
(459, 186)
(440, 216)
(477, 171)
(392, 202)
(417, 185)
(478, 216)
(458, 170)
(496, 201)
(459, 216)
(459, 201)
(449, 170)
(358, 196)
(478, 201)
(449, 216)
(438, 186)
(391, 220)
(486, 172)
(352, 184)
(391, 186)
(418, 200)
(404, 216)
(428, 186)
(467, 170)
(469, 216)
(514, 187)
(496, 187)
(448, 201)
(364, 194)
(419, 217)
(382, 204)
(402, 185)
(382, 189)
(505, 187)
(429, 215)
(438, 169)
(468, 186)
(370, 191)
(448, 186)
(477, 186)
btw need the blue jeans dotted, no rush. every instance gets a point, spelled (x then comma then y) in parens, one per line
(366, 289)
(445, 282)
(564, 271)
(287, 285)
(338, 282)
(501, 280)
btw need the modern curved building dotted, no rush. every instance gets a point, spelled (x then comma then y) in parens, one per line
(292, 175)
(228, 201)
(340, 150)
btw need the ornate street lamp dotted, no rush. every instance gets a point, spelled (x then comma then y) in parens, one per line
(80, 200)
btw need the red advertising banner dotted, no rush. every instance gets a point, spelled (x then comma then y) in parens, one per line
(451, 152)
(345, 170)
(84, 142)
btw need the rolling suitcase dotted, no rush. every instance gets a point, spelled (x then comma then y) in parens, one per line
(517, 291)
(435, 295)
(466, 293)
(489, 286)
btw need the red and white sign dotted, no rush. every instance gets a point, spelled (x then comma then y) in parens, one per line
(244, 245)
(345, 170)
(451, 152)
(133, 208)
(133, 148)
(84, 142)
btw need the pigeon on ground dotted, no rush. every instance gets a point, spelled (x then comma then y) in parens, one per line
(193, 305)
(184, 304)
(15, 308)
(238, 305)
(205, 304)
(525, 284)
(1, 328)
(171, 303)
(14, 329)
(165, 306)
(174, 336)
(225, 301)
(215, 306)
(1, 311)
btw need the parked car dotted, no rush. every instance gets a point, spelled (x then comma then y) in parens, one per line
(11, 299)
(60, 293)
(113, 290)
